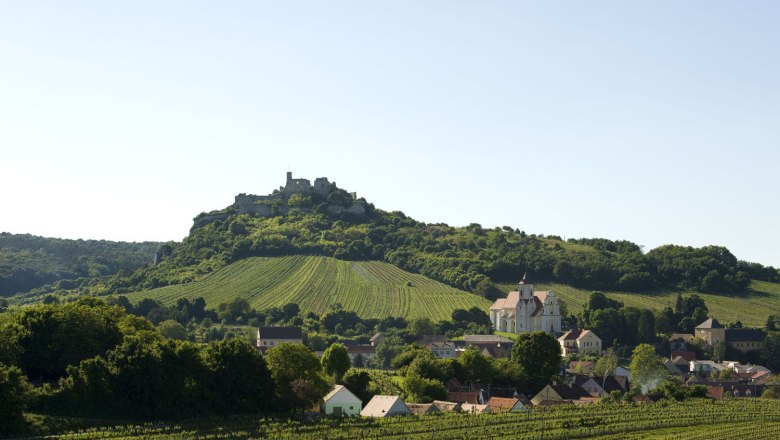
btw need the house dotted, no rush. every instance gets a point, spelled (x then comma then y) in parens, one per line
(341, 402)
(385, 406)
(496, 351)
(419, 409)
(559, 393)
(504, 404)
(712, 332)
(622, 371)
(464, 396)
(581, 367)
(445, 406)
(673, 368)
(615, 383)
(474, 408)
(376, 339)
(485, 339)
(591, 385)
(580, 341)
(678, 341)
(366, 352)
(718, 390)
(268, 337)
(424, 340)
(706, 367)
(744, 339)
(525, 310)
(442, 350)
(686, 355)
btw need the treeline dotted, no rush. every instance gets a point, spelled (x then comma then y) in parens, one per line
(89, 359)
(28, 261)
(471, 258)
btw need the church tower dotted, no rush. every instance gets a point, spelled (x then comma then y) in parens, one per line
(526, 288)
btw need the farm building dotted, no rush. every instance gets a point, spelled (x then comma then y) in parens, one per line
(341, 402)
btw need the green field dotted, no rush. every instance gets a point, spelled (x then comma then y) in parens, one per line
(752, 308)
(696, 419)
(370, 288)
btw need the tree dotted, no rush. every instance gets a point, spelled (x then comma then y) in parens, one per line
(539, 355)
(357, 382)
(335, 361)
(646, 326)
(298, 376)
(606, 365)
(421, 326)
(387, 350)
(773, 323)
(718, 351)
(771, 350)
(173, 330)
(423, 390)
(476, 366)
(508, 373)
(241, 379)
(647, 368)
(15, 394)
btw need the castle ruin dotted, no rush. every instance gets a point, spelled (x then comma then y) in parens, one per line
(277, 203)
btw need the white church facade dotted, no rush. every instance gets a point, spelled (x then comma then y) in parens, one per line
(526, 311)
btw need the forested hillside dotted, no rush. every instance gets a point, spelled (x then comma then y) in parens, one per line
(471, 258)
(28, 261)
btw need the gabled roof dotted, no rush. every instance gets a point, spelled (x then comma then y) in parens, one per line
(616, 383)
(463, 396)
(376, 336)
(744, 335)
(362, 349)
(341, 390)
(502, 404)
(681, 336)
(710, 323)
(422, 408)
(686, 355)
(576, 334)
(431, 339)
(470, 339)
(474, 408)
(674, 369)
(385, 406)
(280, 333)
(445, 406)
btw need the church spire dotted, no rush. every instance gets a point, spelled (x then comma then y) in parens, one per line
(525, 279)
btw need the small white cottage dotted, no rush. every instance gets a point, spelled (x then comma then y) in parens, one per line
(341, 402)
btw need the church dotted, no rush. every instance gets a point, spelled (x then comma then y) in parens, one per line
(526, 311)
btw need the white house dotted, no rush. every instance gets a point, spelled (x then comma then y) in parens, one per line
(385, 406)
(268, 337)
(580, 341)
(341, 402)
(526, 311)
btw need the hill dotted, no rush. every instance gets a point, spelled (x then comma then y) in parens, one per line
(751, 307)
(372, 289)
(28, 261)
(325, 221)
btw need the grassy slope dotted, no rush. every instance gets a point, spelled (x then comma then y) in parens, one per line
(752, 308)
(372, 289)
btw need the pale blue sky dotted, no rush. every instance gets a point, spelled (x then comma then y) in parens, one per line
(654, 121)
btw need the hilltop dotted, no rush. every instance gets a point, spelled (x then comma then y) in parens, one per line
(320, 219)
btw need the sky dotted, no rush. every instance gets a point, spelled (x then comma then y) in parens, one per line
(656, 122)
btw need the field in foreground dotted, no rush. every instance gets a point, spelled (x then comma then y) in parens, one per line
(696, 419)
(751, 307)
(372, 289)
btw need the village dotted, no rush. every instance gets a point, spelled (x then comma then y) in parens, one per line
(581, 378)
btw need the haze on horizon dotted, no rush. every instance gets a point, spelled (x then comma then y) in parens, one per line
(651, 122)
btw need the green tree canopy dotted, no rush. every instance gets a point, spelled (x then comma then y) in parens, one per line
(335, 361)
(647, 368)
(539, 355)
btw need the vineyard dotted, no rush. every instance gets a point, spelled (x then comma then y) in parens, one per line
(752, 308)
(372, 289)
(698, 419)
